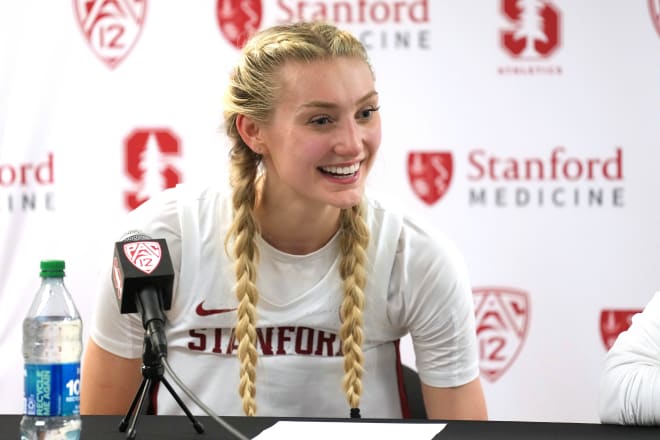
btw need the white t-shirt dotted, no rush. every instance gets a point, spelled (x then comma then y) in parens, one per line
(416, 283)
(630, 384)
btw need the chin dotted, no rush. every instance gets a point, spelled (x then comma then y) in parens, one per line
(347, 202)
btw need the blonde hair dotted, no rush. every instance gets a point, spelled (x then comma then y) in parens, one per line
(253, 91)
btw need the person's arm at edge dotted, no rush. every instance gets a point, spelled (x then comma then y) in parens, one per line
(630, 380)
(108, 382)
(465, 402)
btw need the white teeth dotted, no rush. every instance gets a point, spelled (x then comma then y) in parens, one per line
(342, 170)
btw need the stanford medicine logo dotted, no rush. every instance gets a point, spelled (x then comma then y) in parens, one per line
(654, 9)
(238, 19)
(613, 322)
(430, 174)
(150, 163)
(111, 27)
(502, 317)
(535, 32)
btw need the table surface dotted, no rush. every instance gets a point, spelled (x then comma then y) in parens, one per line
(180, 428)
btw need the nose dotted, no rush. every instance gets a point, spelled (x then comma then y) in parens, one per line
(350, 142)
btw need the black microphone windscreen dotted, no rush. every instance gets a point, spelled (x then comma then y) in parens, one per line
(140, 262)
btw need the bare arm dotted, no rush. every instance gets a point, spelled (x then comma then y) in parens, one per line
(465, 402)
(109, 382)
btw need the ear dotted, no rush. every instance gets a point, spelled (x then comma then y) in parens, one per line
(250, 132)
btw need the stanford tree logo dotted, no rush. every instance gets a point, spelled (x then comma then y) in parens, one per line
(111, 27)
(238, 19)
(534, 32)
(502, 317)
(151, 156)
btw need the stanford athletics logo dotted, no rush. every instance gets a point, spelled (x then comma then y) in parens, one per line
(613, 322)
(535, 28)
(238, 19)
(430, 174)
(502, 316)
(145, 255)
(111, 28)
(654, 9)
(150, 163)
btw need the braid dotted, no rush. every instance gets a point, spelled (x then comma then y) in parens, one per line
(243, 230)
(354, 240)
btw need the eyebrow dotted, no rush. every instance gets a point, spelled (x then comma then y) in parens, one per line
(323, 104)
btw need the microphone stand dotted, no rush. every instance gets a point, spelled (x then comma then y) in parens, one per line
(152, 373)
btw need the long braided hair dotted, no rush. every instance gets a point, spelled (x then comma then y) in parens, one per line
(252, 91)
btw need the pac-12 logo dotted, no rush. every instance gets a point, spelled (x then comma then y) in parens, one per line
(535, 28)
(502, 317)
(654, 9)
(111, 28)
(430, 174)
(238, 19)
(144, 255)
(613, 322)
(151, 156)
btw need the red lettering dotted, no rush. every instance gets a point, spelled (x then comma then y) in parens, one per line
(617, 163)
(473, 159)
(360, 11)
(232, 344)
(267, 343)
(282, 337)
(555, 167)
(307, 335)
(325, 341)
(201, 345)
(217, 346)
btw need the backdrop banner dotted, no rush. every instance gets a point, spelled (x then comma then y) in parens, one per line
(527, 130)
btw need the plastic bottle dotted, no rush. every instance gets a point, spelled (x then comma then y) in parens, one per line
(52, 346)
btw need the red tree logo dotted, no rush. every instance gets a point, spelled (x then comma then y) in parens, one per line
(654, 9)
(430, 174)
(150, 163)
(613, 322)
(535, 32)
(238, 19)
(111, 27)
(502, 316)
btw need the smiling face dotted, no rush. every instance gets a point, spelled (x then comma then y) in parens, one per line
(322, 138)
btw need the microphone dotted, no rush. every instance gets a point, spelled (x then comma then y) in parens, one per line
(143, 278)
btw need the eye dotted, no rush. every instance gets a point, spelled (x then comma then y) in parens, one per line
(320, 120)
(367, 113)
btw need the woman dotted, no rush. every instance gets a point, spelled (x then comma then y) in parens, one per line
(295, 288)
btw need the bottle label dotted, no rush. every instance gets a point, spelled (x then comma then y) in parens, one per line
(52, 389)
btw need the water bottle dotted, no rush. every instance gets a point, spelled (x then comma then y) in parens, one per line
(52, 346)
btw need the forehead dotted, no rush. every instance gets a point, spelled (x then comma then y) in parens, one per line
(333, 80)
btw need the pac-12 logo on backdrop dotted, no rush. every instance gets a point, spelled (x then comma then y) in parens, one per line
(111, 28)
(430, 174)
(613, 322)
(534, 31)
(238, 19)
(654, 9)
(151, 156)
(502, 317)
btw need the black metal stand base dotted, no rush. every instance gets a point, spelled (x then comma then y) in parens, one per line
(152, 373)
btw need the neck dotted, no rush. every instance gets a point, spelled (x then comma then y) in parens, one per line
(299, 229)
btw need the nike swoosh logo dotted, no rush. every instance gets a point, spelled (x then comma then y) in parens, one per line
(201, 311)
